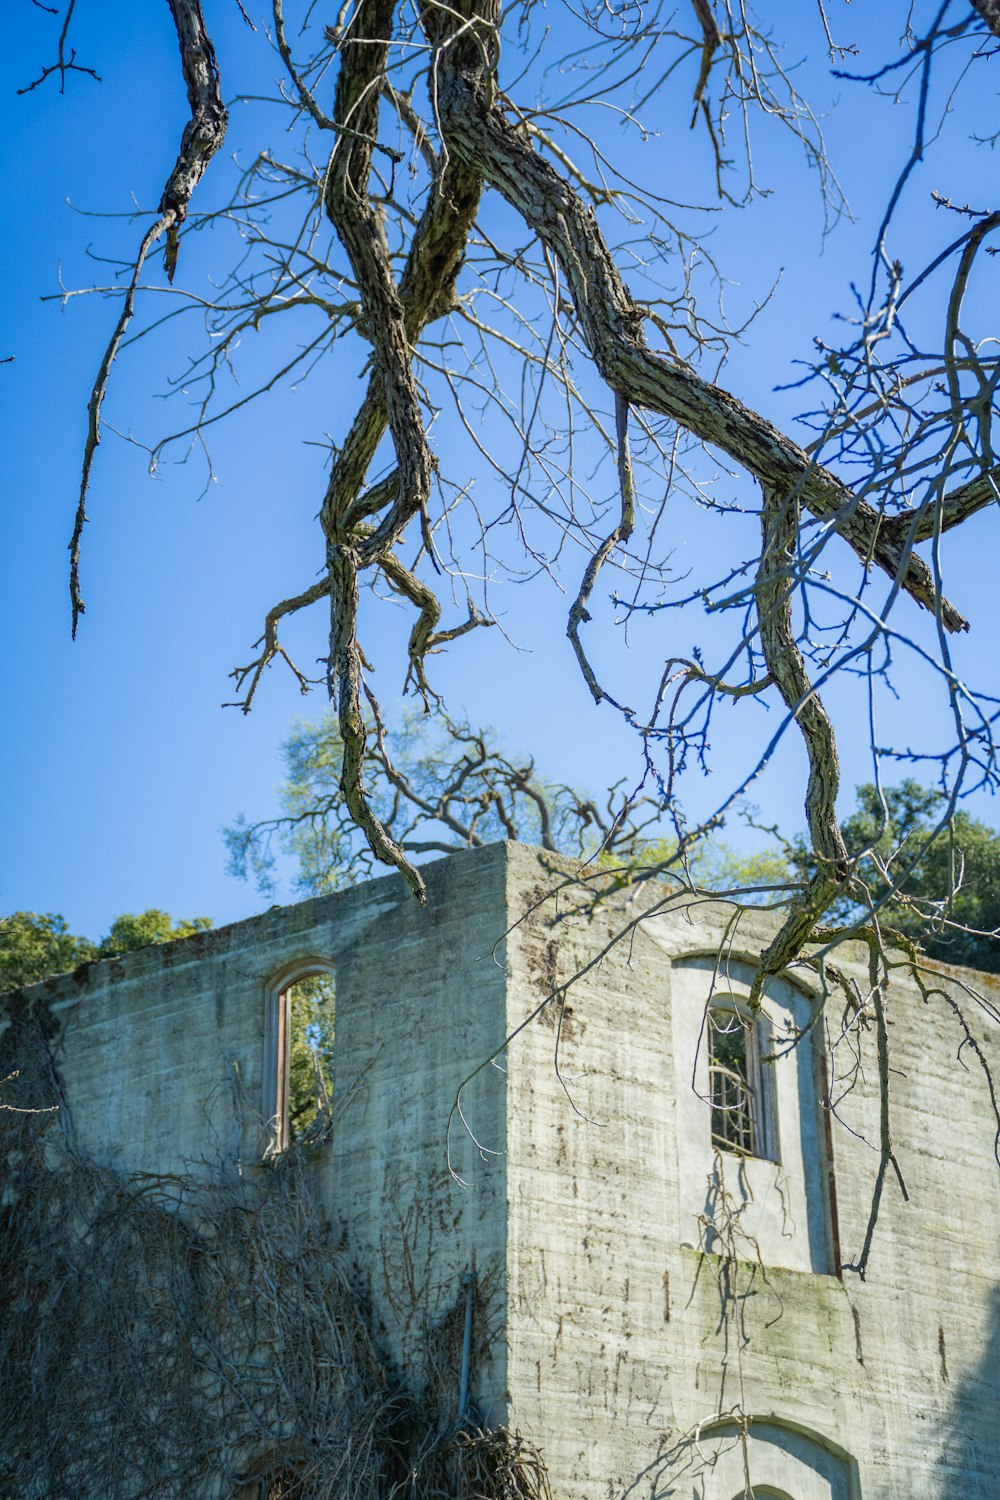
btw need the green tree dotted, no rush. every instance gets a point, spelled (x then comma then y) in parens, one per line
(932, 873)
(34, 946)
(438, 786)
(138, 930)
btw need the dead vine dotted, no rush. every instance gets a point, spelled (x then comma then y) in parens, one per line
(182, 1337)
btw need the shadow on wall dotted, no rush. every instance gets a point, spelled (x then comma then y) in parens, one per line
(776, 1459)
(967, 1457)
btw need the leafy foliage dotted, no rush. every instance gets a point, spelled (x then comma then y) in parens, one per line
(35, 946)
(438, 786)
(152, 926)
(713, 864)
(931, 872)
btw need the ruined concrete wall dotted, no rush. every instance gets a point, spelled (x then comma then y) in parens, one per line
(162, 1056)
(622, 1341)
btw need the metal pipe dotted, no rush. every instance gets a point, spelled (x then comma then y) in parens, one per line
(468, 1281)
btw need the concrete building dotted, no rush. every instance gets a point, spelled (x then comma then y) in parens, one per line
(622, 1229)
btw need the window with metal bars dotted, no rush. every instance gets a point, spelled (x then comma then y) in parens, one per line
(741, 1083)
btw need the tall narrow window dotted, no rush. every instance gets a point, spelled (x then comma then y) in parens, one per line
(311, 1004)
(298, 1061)
(741, 1083)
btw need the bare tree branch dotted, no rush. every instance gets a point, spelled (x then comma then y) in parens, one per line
(202, 137)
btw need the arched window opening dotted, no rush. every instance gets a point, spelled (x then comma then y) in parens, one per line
(300, 1017)
(762, 1492)
(741, 1083)
(759, 1459)
(750, 1128)
(309, 1100)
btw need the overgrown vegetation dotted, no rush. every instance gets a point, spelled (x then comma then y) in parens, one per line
(206, 1335)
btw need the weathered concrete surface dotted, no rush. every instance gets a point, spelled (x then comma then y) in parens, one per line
(621, 1340)
(584, 1158)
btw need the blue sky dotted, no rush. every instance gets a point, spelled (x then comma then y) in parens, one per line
(119, 766)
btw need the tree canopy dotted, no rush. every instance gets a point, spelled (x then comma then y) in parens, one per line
(437, 786)
(35, 946)
(938, 885)
(445, 787)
